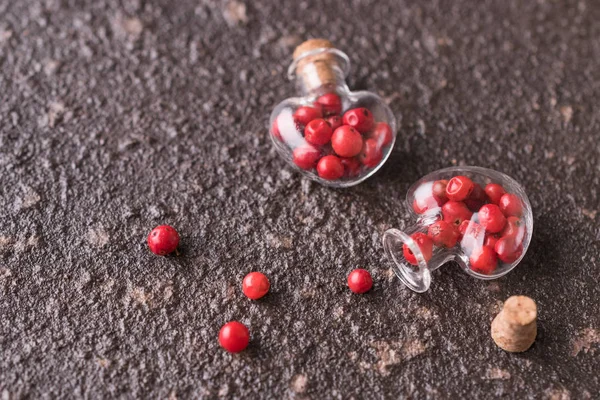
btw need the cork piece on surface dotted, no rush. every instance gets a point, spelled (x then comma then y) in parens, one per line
(514, 329)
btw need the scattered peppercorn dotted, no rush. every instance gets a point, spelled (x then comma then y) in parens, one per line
(163, 240)
(360, 281)
(255, 285)
(234, 337)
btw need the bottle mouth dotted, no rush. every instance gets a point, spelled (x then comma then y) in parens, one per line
(342, 60)
(416, 277)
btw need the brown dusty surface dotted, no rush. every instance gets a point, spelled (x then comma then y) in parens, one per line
(116, 116)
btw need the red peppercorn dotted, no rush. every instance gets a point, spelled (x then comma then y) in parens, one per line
(424, 243)
(359, 118)
(330, 103)
(439, 191)
(511, 205)
(255, 285)
(473, 237)
(335, 121)
(514, 227)
(443, 234)
(360, 281)
(477, 198)
(420, 207)
(234, 337)
(351, 167)
(305, 114)
(430, 196)
(306, 156)
(346, 141)
(508, 249)
(459, 188)
(462, 228)
(163, 240)
(330, 168)
(494, 192)
(318, 131)
(490, 240)
(483, 260)
(423, 205)
(275, 130)
(370, 154)
(455, 212)
(491, 218)
(382, 134)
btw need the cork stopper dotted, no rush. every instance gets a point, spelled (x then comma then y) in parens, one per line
(514, 329)
(318, 69)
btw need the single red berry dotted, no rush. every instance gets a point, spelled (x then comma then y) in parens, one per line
(286, 129)
(429, 196)
(163, 240)
(424, 243)
(305, 114)
(351, 167)
(459, 188)
(275, 130)
(370, 155)
(494, 192)
(306, 156)
(382, 134)
(462, 228)
(360, 281)
(477, 198)
(491, 218)
(318, 131)
(234, 337)
(335, 121)
(508, 249)
(478, 193)
(439, 191)
(330, 168)
(483, 260)
(455, 212)
(346, 141)
(421, 206)
(330, 103)
(490, 240)
(255, 285)
(511, 205)
(359, 118)
(514, 227)
(473, 237)
(443, 234)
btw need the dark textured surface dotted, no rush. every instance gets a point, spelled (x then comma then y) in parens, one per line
(116, 116)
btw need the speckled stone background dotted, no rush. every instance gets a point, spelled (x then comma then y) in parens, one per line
(116, 116)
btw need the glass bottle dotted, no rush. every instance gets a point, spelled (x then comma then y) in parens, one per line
(475, 216)
(334, 136)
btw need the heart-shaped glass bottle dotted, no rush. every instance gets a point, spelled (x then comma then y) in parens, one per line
(475, 216)
(334, 136)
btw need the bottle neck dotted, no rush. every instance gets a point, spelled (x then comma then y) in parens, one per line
(416, 272)
(320, 71)
(317, 79)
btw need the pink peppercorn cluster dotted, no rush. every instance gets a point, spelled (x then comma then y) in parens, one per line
(486, 222)
(337, 145)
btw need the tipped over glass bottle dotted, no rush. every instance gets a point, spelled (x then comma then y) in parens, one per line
(334, 136)
(475, 216)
